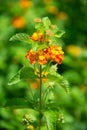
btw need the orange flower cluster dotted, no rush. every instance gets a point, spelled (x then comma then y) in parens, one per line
(37, 36)
(42, 57)
(31, 56)
(53, 53)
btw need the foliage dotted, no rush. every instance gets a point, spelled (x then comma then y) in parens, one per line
(70, 16)
(46, 93)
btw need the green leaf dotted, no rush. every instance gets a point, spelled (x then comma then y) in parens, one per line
(27, 73)
(51, 119)
(20, 37)
(54, 77)
(65, 84)
(59, 34)
(38, 26)
(57, 78)
(46, 22)
(53, 106)
(18, 103)
(43, 46)
(23, 73)
(15, 79)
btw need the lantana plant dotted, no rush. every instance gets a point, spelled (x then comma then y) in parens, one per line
(44, 56)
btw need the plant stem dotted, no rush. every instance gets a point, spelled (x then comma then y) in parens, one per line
(40, 97)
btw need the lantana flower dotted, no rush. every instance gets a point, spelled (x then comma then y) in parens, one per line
(31, 56)
(37, 36)
(53, 53)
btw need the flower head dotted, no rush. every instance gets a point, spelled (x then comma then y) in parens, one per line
(53, 53)
(37, 36)
(31, 56)
(42, 57)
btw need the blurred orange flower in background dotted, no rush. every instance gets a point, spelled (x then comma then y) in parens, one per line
(35, 84)
(62, 15)
(25, 3)
(74, 50)
(47, 1)
(52, 9)
(18, 22)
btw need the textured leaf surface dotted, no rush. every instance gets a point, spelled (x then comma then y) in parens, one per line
(27, 73)
(23, 73)
(60, 81)
(20, 37)
(51, 119)
(46, 22)
(15, 79)
(65, 84)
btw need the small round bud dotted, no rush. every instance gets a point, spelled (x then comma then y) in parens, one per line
(30, 127)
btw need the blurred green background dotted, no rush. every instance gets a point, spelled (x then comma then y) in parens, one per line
(69, 15)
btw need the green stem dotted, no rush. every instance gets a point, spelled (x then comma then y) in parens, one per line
(40, 98)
